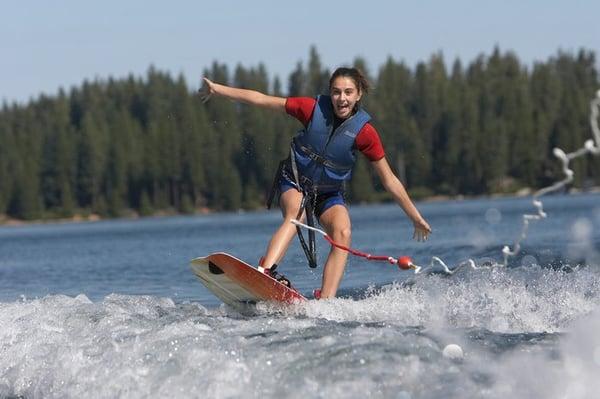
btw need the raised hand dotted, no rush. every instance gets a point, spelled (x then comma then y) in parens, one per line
(207, 90)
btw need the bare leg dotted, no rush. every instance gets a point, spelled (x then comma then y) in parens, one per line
(336, 222)
(290, 204)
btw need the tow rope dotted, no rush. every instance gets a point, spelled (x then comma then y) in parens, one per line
(403, 262)
(310, 249)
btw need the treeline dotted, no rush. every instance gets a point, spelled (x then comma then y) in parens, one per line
(148, 144)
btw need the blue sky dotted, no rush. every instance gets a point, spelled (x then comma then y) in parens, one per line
(45, 45)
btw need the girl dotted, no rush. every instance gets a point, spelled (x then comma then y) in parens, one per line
(321, 160)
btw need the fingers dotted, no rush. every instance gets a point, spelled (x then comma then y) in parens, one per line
(420, 234)
(205, 97)
(205, 91)
(422, 230)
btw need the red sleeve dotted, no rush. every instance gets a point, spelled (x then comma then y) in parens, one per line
(300, 108)
(368, 142)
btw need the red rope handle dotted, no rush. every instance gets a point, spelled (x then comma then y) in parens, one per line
(403, 262)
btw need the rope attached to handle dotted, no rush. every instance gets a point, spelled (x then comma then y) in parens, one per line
(403, 262)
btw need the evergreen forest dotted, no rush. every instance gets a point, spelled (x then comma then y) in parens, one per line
(142, 145)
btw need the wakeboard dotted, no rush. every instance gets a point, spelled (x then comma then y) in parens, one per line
(237, 283)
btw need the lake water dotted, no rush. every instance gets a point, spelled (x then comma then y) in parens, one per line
(110, 309)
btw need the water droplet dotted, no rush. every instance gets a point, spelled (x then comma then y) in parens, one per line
(453, 352)
(581, 230)
(529, 260)
(493, 216)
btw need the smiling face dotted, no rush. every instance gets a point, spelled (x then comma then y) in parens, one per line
(344, 96)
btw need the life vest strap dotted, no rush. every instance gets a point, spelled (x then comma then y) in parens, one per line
(320, 159)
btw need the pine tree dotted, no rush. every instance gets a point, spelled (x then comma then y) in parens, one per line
(317, 76)
(25, 201)
(7, 159)
(545, 88)
(297, 82)
(224, 144)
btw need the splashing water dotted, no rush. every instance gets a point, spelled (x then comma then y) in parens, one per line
(391, 341)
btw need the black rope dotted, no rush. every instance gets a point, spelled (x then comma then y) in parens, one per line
(310, 249)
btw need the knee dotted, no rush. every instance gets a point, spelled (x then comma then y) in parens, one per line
(289, 216)
(291, 212)
(343, 235)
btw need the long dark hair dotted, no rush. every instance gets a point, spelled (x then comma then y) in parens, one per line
(353, 73)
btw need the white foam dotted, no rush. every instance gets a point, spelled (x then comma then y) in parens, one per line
(391, 341)
(572, 373)
(532, 299)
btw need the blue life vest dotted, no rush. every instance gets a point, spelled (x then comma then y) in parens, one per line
(324, 158)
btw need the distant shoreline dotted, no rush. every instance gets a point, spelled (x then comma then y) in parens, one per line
(6, 221)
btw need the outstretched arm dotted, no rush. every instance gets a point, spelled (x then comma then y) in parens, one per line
(252, 97)
(393, 185)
